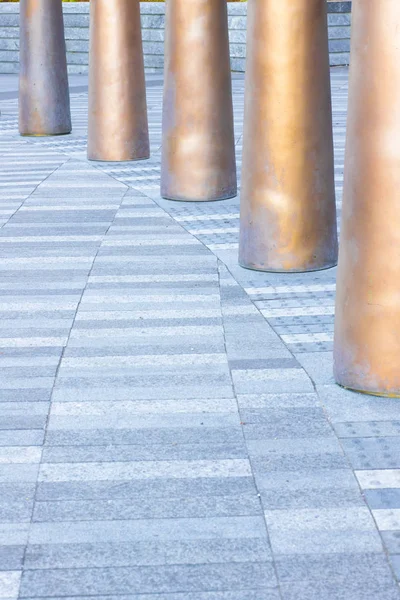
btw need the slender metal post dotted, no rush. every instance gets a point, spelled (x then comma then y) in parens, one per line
(367, 330)
(44, 107)
(288, 213)
(118, 128)
(198, 154)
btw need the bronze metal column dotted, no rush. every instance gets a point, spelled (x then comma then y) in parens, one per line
(118, 129)
(198, 154)
(288, 212)
(44, 107)
(367, 331)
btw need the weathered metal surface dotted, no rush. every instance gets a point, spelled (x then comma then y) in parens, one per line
(44, 107)
(118, 128)
(198, 154)
(367, 331)
(288, 213)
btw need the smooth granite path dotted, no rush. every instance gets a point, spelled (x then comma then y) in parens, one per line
(169, 425)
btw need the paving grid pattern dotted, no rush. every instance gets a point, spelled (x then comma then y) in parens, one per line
(169, 425)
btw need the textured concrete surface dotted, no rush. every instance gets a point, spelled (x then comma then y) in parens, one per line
(169, 425)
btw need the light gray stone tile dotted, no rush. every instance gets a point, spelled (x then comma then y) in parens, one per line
(9, 584)
(127, 471)
(10, 473)
(286, 401)
(21, 437)
(311, 531)
(273, 594)
(350, 590)
(341, 568)
(103, 390)
(174, 578)
(343, 405)
(14, 534)
(11, 557)
(77, 556)
(154, 488)
(20, 455)
(162, 529)
(143, 508)
(153, 452)
(138, 408)
(280, 423)
(119, 420)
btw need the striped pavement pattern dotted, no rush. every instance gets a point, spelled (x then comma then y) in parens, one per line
(166, 433)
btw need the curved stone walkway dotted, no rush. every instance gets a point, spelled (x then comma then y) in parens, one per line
(169, 425)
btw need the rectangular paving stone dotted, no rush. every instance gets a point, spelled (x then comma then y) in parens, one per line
(143, 508)
(364, 429)
(341, 568)
(143, 470)
(25, 395)
(146, 408)
(334, 591)
(316, 488)
(153, 452)
(312, 531)
(285, 401)
(387, 519)
(176, 435)
(273, 594)
(70, 393)
(73, 556)
(20, 455)
(286, 462)
(273, 363)
(18, 473)
(271, 381)
(13, 534)
(280, 423)
(33, 437)
(22, 422)
(378, 479)
(155, 488)
(373, 453)
(119, 420)
(383, 498)
(9, 584)
(176, 578)
(19, 511)
(163, 529)
(11, 557)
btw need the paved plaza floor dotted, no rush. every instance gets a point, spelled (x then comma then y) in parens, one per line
(169, 424)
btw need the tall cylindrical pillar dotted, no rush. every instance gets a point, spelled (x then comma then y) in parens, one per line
(44, 107)
(288, 212)
(198, 153)
(118, 129)
(367, 331)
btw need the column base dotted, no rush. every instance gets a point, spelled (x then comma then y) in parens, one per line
(221, 199)
(45, 134)
(369, 393)
(270, 270)
(116, 160)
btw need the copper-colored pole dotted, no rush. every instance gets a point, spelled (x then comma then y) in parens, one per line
(44, 107)
(288, 213)
(367, 332)
(198, 155)
(118, 129)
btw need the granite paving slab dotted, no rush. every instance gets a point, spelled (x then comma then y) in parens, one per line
(169, 427)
